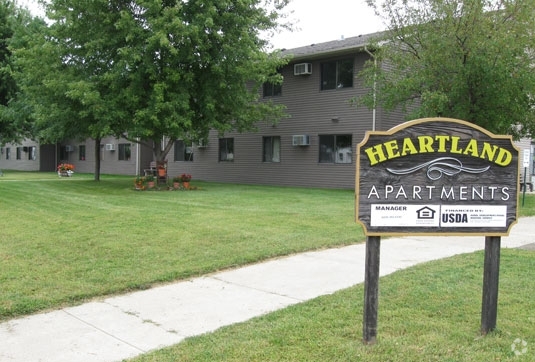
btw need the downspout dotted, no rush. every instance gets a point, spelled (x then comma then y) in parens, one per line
(374, 87)
(138, 157)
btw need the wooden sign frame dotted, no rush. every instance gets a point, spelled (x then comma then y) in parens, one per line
(438, 176)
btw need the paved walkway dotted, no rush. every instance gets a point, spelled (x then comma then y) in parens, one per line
(125, 326)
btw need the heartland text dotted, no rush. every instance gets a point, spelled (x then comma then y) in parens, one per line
(438, 144)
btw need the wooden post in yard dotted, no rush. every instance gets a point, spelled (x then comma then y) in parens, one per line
(371, 289)
(491, 274)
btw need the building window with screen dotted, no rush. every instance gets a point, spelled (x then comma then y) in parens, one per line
(81, 152)
(272, 90)
(337, 74)
(32, 153)
(124, 152)
(226, 149)
(335, 149)
(271, 149)
(183, 151)
(63, 154)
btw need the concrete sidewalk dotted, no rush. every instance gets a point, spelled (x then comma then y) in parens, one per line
(126, 326)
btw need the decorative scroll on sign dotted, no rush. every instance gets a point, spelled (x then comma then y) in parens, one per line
(437, 176)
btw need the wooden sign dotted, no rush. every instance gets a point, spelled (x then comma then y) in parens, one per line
(437, 176)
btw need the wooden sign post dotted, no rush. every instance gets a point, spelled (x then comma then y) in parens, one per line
(436, 176)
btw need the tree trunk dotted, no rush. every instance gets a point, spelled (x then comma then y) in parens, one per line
(97, 159)
(160, 151)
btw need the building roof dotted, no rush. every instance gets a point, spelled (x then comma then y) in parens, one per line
(331, 47)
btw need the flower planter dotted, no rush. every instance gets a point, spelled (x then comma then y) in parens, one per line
(176, 185)
(150, 184)
(161, 172)
(65, 170)
(186, 185)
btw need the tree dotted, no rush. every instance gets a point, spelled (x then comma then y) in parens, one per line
(66, 73)
(192, 66)
(153, 70)
(7, 83)
(471, 60)
(16, 25)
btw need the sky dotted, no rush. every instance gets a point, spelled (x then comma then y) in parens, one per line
(316, 21)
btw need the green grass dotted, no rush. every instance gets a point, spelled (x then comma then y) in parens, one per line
(526, 205)
(64, 241)
(430, 312)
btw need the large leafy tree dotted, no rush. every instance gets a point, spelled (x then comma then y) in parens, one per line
(466, 59)
(153, 70)
(16, 27)
(68, 72)
(7, 83)
(191, 66)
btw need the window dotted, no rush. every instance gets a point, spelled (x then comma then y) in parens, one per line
(226, 149)
(183, 152)
(81, 152)
(32, 153)
(271, 149)
(337, 74)
(19, 153)
(335, 149)
(272, 90)
(533, 158)
(8, 153)
(63, 154)
(124, 152)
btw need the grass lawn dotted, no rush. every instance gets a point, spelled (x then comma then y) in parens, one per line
(430, 312)
(68, 240)
(64, 241)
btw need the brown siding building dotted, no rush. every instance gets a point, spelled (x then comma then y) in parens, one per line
(314, 147)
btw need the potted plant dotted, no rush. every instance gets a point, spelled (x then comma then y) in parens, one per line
(176, 182)
(185, 178)
(65, 169)
(161, 171)
(139, 183)
(150, 181)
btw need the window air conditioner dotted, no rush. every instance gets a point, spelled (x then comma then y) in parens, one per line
(302, 68)
(69, 148)
(110, 147)
(300, 140)
(202, 143)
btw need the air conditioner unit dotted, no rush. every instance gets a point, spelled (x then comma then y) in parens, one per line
(69, 148)
(202, 143)
(302, 68)
(300, 140)
(110, 147)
